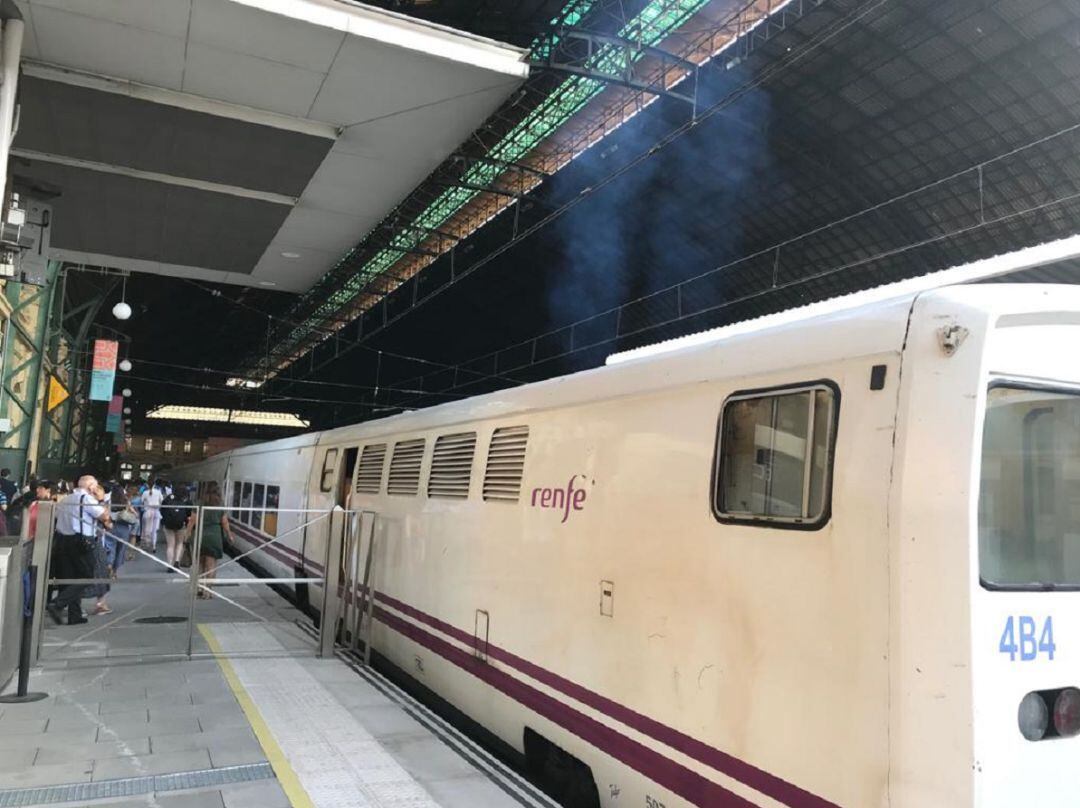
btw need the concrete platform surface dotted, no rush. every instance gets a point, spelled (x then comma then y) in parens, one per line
(131, 721)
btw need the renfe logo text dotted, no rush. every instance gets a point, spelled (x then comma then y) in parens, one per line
(563, 499)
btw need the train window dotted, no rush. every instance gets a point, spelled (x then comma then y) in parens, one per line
(405, 467)
(774, 456)
(1029, 506)
(505, 463)
(326, 480)
(451, 465)
(369, 475)
(245, 502)
(258, 496)
(273, 497)
(236, 499)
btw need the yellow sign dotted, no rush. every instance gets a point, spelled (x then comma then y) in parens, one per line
(58, 394)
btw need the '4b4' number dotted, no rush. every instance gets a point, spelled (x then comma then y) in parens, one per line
(1019, 638)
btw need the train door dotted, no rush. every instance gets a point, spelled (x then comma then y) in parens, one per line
(343, 488)
(344, 491)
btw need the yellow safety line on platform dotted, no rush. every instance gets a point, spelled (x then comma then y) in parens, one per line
(298, 797)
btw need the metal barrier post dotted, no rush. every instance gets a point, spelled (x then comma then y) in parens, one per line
(331, 574)
(26, 643)
(193, 574)
(42, 559)
(356, 615)
(369, 590)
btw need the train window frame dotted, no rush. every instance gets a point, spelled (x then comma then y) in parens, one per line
(258, 501)
(245, 491)
(762, 520)
(996, 381)
(270, 514)
(329, 466)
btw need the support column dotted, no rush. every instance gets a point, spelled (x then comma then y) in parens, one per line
(23, 352)
(11, 39)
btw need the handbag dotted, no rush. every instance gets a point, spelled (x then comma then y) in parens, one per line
(127, 516)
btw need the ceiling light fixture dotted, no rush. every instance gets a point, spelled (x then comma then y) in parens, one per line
(290, 254)
(125, 364)
(122, 311)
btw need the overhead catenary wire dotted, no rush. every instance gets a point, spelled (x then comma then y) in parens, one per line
(242, 391)
(330, 333)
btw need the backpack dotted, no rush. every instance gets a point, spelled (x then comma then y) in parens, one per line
(174, 513)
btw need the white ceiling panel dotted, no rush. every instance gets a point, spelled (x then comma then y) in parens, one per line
(88, 43)
(412, 81)
(292, 274)
(352, 185)
(421, 136)
(168, 17)
(332, 232)
(29, 43)
(248, 80)
(225, 25)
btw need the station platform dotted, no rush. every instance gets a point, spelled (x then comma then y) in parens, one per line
(254, 718)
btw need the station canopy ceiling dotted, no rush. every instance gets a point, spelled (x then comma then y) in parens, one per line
(248, 142)
(861, 142)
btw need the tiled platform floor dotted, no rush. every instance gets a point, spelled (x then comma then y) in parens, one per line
(120, 707)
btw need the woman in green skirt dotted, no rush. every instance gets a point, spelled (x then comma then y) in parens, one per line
(215, 531)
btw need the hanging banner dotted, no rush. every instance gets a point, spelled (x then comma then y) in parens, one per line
(112, 419)
(58, 394)
(104, 369)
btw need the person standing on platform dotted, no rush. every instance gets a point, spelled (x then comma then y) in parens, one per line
(3, 513)
(77, 518)
(7, 485)
(151, 505)
(135, 499)
(177, 517)
(215, 530)
(17, 506)
(43, 492)
(103, 550)
(124, 523)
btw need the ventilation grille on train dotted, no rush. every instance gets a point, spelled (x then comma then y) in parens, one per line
(505, 463)
(451, 465)
(405, 467)
(369, 475)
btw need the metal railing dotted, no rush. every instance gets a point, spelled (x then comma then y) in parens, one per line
(340, 533)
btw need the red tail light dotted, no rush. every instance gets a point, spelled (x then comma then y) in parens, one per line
(1067, 712)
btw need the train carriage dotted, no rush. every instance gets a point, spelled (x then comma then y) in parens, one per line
(827, 562)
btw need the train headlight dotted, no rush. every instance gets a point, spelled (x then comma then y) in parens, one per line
(1033, 716)
(1067, 712)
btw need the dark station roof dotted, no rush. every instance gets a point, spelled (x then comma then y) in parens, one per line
(867, 142)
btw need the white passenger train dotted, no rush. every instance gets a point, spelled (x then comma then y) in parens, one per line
(826, 563)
